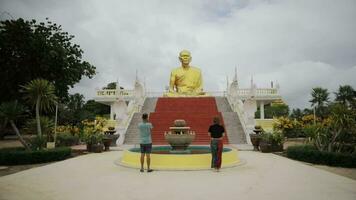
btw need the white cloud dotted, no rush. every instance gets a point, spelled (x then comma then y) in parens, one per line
(301, 44)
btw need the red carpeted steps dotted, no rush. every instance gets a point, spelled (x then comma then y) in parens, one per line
(197, 112)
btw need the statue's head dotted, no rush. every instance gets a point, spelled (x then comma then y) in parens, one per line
(184, 57)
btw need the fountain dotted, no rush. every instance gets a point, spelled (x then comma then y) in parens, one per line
(180, 155)
(179, 137)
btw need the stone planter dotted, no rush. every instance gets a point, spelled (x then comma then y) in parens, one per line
(89, 147)
(107, 143)
(97, 148)
(255, 140)
(266, 147)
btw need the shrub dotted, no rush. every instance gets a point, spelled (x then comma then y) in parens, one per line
(37, 143)
(274, 138)
(67, 139)
(289, 128)
(310, 154)
(47, 126)
(18, 156)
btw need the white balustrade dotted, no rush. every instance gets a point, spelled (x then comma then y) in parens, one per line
(114, 93)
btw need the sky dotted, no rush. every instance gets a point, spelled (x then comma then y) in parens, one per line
(299, 44)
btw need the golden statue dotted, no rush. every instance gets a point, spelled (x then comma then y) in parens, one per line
(185, 80)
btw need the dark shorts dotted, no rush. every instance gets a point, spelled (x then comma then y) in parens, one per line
(146, 148)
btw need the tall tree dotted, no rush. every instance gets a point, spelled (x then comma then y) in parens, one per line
(10, 112)
(320, 98)
(296, 114)
(30, 50)
(70, 112)
(40, 93)
(345, 95)
(111, 85)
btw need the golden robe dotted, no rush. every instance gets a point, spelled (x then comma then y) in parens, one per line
(186, 81)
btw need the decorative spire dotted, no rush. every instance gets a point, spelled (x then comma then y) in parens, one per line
(144, 83)
(235, 77)
(252, 81)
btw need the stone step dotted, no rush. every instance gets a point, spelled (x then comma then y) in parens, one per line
(132, 136)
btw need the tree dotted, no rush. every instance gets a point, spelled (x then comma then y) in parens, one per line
(76, 101)
(320, 98)
(40, 93)
(345, 95)
(10, 112)
(96, 108)
(111, 85)
(31, 50)
(296, 114)
(70, 112)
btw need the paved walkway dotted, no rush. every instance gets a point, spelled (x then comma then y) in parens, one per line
(95, 176)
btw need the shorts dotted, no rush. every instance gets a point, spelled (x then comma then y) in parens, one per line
(146, 148)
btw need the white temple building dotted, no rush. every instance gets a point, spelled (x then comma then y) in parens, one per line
(244, 101)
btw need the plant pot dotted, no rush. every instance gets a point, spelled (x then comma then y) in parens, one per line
(97, 148)
(255, 140)
(107, 143)
(277, 147)
(265, 147)
(89, 149)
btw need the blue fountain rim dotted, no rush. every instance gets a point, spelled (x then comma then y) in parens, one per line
(201, 149)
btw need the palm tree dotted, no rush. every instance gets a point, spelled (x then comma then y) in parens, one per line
(10, 112)
(345, 94)
(41, 94)
(320, 97)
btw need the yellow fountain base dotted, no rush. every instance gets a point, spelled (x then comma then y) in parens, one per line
(161, 159)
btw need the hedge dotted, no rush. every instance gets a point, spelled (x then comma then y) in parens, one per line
(18, 156)
(67, 139)
(310, 154)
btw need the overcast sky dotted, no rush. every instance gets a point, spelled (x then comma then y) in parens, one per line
(300, 44)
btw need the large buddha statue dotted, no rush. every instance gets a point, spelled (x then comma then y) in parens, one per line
(185, 80)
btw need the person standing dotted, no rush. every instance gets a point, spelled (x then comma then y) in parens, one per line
(145, 141)
(216, 132)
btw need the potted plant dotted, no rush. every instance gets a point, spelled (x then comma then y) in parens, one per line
(94, 142)
(107, 142)
(93, 134)
(271, 142)
(256, 137)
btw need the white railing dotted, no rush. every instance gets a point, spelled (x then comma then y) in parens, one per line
(242, 93)
(259, 92)
(124, 126)
(154, 94)
(241, 117)
(114, 93)
(217, 93)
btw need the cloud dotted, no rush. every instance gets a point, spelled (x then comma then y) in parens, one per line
(300, 44)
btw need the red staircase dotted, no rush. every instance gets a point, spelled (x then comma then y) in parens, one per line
(197, 112)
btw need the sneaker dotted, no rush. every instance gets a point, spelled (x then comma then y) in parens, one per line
(150, 170)
(141, 170)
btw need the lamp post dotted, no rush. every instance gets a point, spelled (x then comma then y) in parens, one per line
(55, 124)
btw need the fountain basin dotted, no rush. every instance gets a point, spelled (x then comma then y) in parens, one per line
(199, 158)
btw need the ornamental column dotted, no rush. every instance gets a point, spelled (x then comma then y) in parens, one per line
(112, 111)
(262, 110)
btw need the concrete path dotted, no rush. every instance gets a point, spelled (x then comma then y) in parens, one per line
(95, 176)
